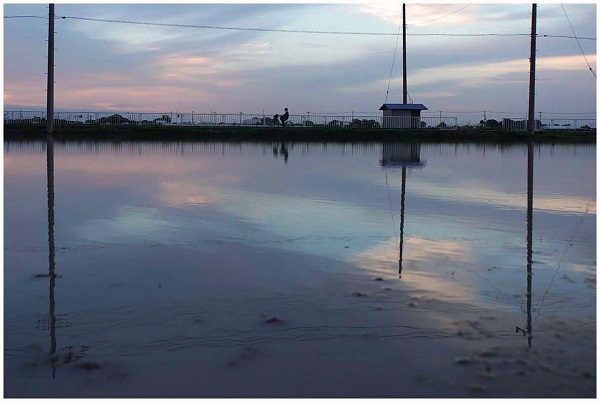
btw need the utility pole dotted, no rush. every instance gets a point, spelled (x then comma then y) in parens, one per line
(531, 115)
(404, 89)
(50, 86)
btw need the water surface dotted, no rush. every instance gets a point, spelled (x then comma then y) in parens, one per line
(300, 269)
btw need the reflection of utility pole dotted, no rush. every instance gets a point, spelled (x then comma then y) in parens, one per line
(529, 234)
(401, 155)
(50, 86)
(528, 327)
(402, 196)
(51, 265)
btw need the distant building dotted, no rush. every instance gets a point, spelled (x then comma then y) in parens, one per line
(402, 115)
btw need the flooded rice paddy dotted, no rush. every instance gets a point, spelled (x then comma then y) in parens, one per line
(198, 269)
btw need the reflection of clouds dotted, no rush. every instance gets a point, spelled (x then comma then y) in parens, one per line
(206, 189)
(583, 269)
(416, 249)
(420, 255)
(22, 166)
(296, 216)
(129, 222)
(290, 222)
(178, 194)
(480, 194)
(126, 165)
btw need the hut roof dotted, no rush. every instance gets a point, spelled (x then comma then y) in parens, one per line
(402, 106)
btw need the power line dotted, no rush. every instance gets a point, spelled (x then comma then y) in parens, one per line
(25, 16)
(437, 19)
(272, 29)
(566, 113)
(580, 48)
(163, 24)
(393, 61)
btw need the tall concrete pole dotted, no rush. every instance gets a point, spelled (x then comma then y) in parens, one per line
(404, 89)
(531, 117)
(50, 86)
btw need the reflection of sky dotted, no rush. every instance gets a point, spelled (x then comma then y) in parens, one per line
(464, 220)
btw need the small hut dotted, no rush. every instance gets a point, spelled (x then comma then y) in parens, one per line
(402, 115)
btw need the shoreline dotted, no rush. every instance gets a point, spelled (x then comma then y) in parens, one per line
(301, 134)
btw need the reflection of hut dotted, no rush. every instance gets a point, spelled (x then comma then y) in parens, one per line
(401, 155)
(402, 115)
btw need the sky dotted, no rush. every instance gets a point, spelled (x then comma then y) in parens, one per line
(109, 66)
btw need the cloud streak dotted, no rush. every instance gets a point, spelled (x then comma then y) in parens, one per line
(142, 68)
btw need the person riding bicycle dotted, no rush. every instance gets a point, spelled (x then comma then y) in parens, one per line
(284, 117)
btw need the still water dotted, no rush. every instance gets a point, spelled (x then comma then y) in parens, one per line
(199, 269)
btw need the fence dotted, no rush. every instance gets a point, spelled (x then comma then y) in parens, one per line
(520, 124)
(295, 120)
(220, 119)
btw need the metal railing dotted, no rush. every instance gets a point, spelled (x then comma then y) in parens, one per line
(229, 119)
(520, 124)
(295, 120)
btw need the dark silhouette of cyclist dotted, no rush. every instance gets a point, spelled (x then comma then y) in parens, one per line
(284, 117)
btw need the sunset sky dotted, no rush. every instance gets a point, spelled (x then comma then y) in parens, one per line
(109, 66)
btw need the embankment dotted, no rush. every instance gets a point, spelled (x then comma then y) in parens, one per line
(194, 133)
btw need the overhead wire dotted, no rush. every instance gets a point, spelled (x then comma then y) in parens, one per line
(579, 44)
(271, 29)
(396, 47)
(25, 16)
(437, 19)
(164, 24)
(569, 244)
(393, 61)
